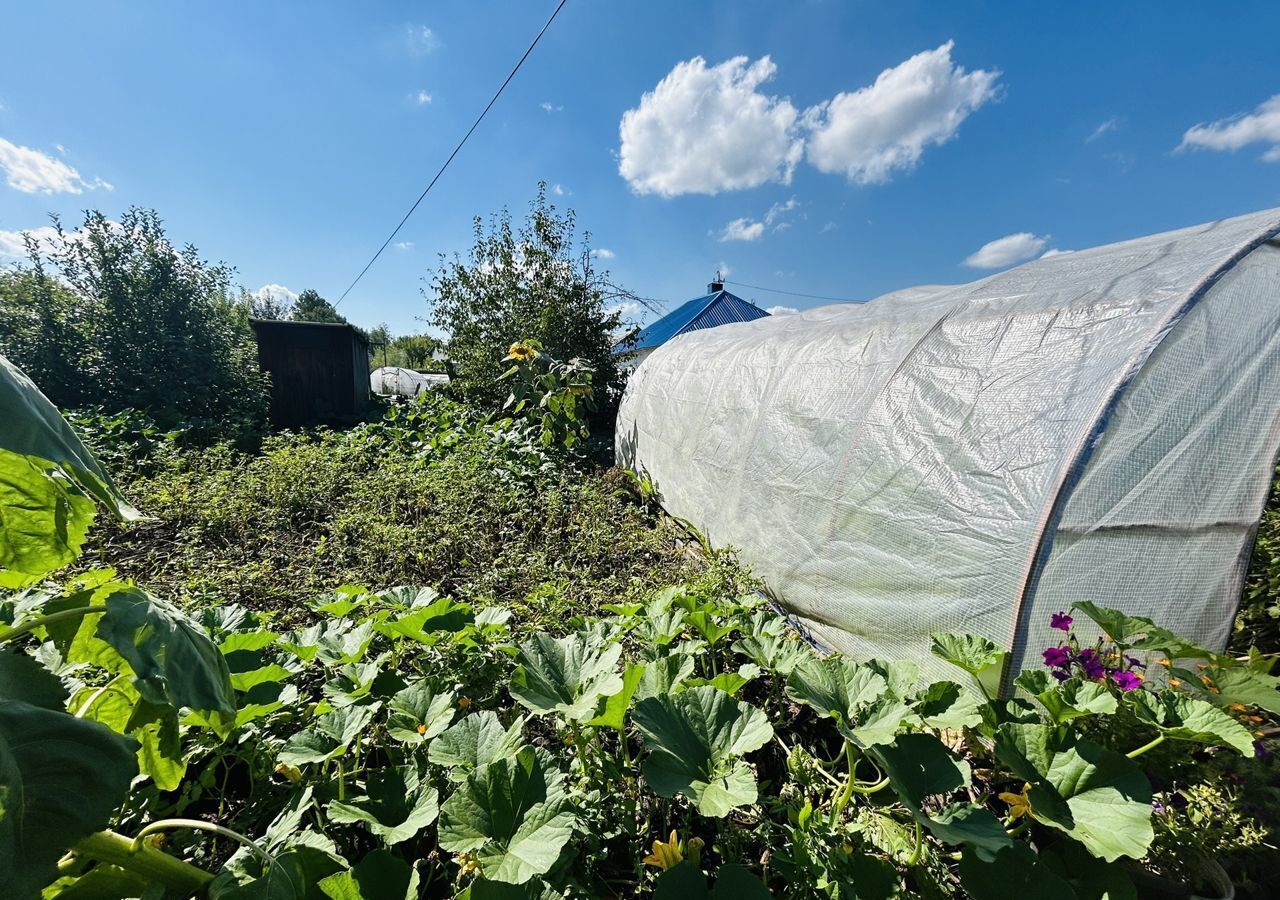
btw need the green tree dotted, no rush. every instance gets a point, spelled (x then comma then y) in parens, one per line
(311, 307)
(535, 282)
(116, 315)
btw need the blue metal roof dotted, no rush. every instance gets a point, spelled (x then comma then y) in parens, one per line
(719, 308)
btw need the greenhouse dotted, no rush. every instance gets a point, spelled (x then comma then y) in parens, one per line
(1100, 425)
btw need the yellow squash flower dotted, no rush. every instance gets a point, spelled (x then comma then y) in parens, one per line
(665, 855)
(1019, 804)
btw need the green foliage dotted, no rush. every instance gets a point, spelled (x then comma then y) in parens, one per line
(512, 816)
(567, 676)
(311, 307)
(116, 315)
(530, 283)
(554, 397)
(696, 740)
(431, 497)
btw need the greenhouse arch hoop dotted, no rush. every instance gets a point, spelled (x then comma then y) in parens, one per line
(1100, 425)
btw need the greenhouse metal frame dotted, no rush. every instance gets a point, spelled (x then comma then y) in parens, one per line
(1100, 425)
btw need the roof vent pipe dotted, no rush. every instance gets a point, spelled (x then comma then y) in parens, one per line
(717, 285)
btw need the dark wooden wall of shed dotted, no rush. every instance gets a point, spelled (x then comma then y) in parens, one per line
(319, 372)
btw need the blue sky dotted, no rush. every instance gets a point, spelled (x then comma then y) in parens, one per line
(845, 149)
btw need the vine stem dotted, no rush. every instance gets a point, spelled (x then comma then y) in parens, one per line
(915, 854)
(180, 878)
(40, 621)
(853, 786)
(198, 825)
(1145, 747)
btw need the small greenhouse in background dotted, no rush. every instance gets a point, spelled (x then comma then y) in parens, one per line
(1100, 425)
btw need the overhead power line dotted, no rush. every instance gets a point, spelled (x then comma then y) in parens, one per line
(474, 126)
(756, 287)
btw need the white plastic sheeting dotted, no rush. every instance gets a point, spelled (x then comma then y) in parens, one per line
(398, 382)
(1099, 425)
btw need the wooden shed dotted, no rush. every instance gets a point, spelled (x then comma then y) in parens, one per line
(319, 371)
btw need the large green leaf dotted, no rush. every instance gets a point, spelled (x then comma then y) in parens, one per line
(379, 876)
(944, 704)
(475, 741)
(976, 655)
(854, 695)
(1188, 719)
(48, 482)
(1245, 686)
(61, 779)
(696, 740)
(613, 712)
(44, 517)
(1094, 794)
(428, 623)
(773, 652)
(920, 767)
(1015, 872)
(34, 427)
(1075, 698)
(118, 705)
(332, 733)
(419, 713)
(567, 675)
(396, 805)
(513, 815)
(665, 675)
(835, 686)
(172, 658)
(1139, 632)
(22, 678)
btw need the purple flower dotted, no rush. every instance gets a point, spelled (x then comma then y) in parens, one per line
(1127, 681)
(1060, 621)
(1157, 807)
(1134, 662)
(1093, 667)
(1060, 674)
(1057, 657)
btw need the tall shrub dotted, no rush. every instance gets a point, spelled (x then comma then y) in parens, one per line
(533, 282)
(115, 315)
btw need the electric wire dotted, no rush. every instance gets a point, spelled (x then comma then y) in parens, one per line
(474, 126)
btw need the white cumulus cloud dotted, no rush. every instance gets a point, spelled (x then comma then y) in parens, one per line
(742, 229)
(782, 310)
(13, 246)
(404, 245)
(276, 292)
(870, 133)
(548, 106)
(1262, 126)
(423, 98)
(603, 253)
(706, 129)
(32, 172)
(1006, 251)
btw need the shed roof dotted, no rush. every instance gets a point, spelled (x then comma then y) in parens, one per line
(717, 308)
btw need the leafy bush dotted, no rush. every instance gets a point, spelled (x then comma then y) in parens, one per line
(114, 315)
(554, 397)
(530, 283)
